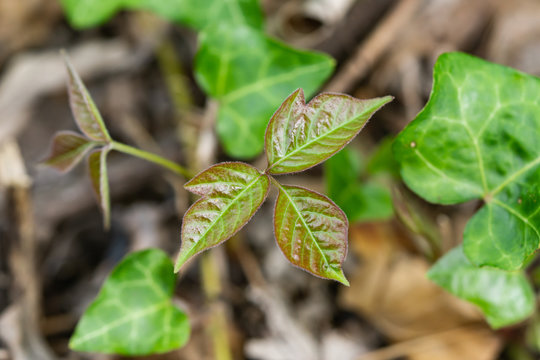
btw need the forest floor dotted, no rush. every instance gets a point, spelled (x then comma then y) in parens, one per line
(54, 253)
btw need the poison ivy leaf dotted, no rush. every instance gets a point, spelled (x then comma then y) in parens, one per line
(133, 313)
(68, 148)
(478, 138)
(232, 193)
(300, 136)
(250, 73)
(504, 297)
(84, 110)
(361, 201)
(97, 166)
(311, 231)
(198, 15)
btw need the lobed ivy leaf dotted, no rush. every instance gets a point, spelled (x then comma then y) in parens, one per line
(97, 166)
(197, 15)
(133, 313)
(249, 74)
(300, 136)
(311, 231)
(505, 298)
(360, 200)
(84, 110)
(232, 193)
(67, 150)
(478, 138)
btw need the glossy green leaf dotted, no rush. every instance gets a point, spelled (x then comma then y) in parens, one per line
(133, 313)
(504, 297)
(300, 136)
(97, 169)
(311, 231)
(360, 200)
(232, 193)
(67, 150)
(478, 138)
(196, 14)
(84, 110)
(250, 74)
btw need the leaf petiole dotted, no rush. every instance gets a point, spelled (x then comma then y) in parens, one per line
(156, 159)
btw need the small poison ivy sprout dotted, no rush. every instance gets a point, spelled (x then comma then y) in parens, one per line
(69, 148)
(310, 229)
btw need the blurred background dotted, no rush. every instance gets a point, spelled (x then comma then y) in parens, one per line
(54, 253)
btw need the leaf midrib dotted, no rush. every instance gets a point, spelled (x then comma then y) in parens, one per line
(282, 189)
(269, 81)
(309, 143)
(132, 316)
(250, 185)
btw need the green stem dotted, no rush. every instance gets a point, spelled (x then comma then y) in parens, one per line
(156, 159)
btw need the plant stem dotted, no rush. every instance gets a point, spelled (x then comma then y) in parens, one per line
(156, 159)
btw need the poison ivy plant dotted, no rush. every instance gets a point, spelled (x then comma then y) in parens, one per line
(478, 138)
(133, 313)
(249, 74)
(504, 297)
(361, 200)
(69, 148)
(310, 229)
(195, 14)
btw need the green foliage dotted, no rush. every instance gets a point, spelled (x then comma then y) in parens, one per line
(232, 193)
(504, 297)
(250, 74)
(133, 313)
(478, 138)
(310, 229)
(195, 14)
(367, 200)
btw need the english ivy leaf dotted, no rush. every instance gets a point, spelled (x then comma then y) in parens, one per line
(232, 193)
(97, 166)
(311, 231)
(195, 14)
(361, 201)
(249, 74)
(203, 13)
(504, 297)
(67, 150)
(84, 110)
(478, 138)
(133, 313)
(300, 136)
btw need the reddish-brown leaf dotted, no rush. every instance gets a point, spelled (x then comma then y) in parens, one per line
(67, 150)
(311, 231)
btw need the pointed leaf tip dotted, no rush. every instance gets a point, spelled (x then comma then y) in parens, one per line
(232, 193)
(311, 232)
(85, 112)
(300, 135)
(67, 150)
